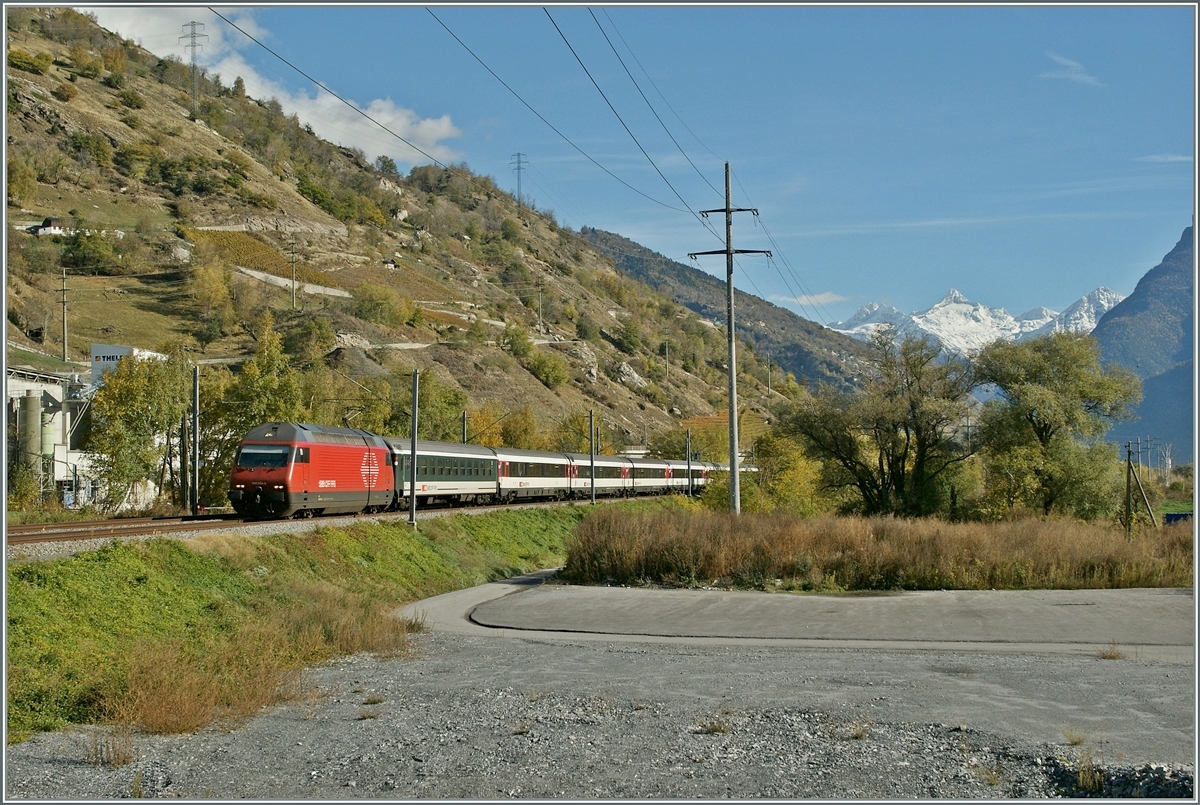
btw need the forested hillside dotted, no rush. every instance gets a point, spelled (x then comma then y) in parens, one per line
(166, 203)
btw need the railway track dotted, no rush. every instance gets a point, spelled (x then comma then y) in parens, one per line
(25, 534)
(112, 529)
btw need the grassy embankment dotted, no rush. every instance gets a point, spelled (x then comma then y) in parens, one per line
(169, 636)
(840, 554)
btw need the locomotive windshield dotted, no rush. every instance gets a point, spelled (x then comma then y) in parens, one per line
(263, 455)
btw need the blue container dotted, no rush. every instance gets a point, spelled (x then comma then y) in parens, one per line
(1176, 517)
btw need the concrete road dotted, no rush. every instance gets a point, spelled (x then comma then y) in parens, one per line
(1027, 665)
(1149, 624)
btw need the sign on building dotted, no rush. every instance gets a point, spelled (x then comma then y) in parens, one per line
(105, 358)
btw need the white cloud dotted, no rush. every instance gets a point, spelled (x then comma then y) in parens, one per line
(1072, 71)
(826, 298)
(332, 119)
(1164, 158)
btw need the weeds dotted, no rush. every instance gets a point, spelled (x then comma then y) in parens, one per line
(1074, 738)
(1110, 652)
(370, 700)
(135, 791)
(714, 727)
(109, 746)
(364, 715)
(1088, 777)
(685, 547)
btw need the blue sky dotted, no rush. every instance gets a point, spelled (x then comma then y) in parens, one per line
(1024, 155)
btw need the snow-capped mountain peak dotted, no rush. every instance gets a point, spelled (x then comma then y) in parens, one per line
(964, 327)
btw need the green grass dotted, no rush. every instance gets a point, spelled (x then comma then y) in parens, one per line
(79, 627)
(1171, 506)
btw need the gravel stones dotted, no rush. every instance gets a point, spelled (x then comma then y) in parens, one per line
(487, 717)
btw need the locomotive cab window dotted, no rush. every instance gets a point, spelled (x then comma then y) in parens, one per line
(263, 455)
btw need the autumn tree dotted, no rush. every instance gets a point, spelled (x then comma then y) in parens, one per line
(898, 440)
(1043, 429)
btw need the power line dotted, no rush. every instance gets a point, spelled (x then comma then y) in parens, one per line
(430, 157)
(547, 122)
(647, 100)
(656, 89)
(618, 116)
(818, 309)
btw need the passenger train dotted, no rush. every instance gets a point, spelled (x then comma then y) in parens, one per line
(285, 469)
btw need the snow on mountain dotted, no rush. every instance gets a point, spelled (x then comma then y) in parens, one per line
(1082, 316)
(963, 327)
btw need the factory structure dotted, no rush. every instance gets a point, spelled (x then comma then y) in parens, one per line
(46, 414)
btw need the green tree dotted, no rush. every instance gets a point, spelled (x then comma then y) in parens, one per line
(571, 434)
(516, 339)
(439, 411)
(22, 181)
(311, 340)
(522, 430)
(90, 251)
(134, 414)
(1054, 402)
(897, 441)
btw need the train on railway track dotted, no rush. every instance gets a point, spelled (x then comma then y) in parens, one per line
(287, 469)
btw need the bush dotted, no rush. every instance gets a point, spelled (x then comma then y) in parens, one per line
(64, 92)
(30, 63)
(547, 368)
(131, 99)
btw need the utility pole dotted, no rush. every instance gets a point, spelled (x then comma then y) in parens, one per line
(768, 374)
(193, 46)
(412, 455)
(687, 448)
(196, 439)
(735, 504)
(518, 157)
(64, 306)
(592, 451)
(293, 271)
(464, 426)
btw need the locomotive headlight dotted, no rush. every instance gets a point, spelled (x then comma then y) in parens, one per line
(239, 486)
(279, 486)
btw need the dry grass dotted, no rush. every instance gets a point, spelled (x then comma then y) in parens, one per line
(1074, 738)
(1111, 652)
(1088, 777)
(173, 688)
(846, 553)
(110, 746)
(714, 727)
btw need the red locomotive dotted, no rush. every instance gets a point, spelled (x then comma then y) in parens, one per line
(284, 469)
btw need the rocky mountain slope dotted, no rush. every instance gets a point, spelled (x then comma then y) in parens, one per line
(1153, 332)
(208, 205)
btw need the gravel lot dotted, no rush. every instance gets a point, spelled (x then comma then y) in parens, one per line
(486, 717)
